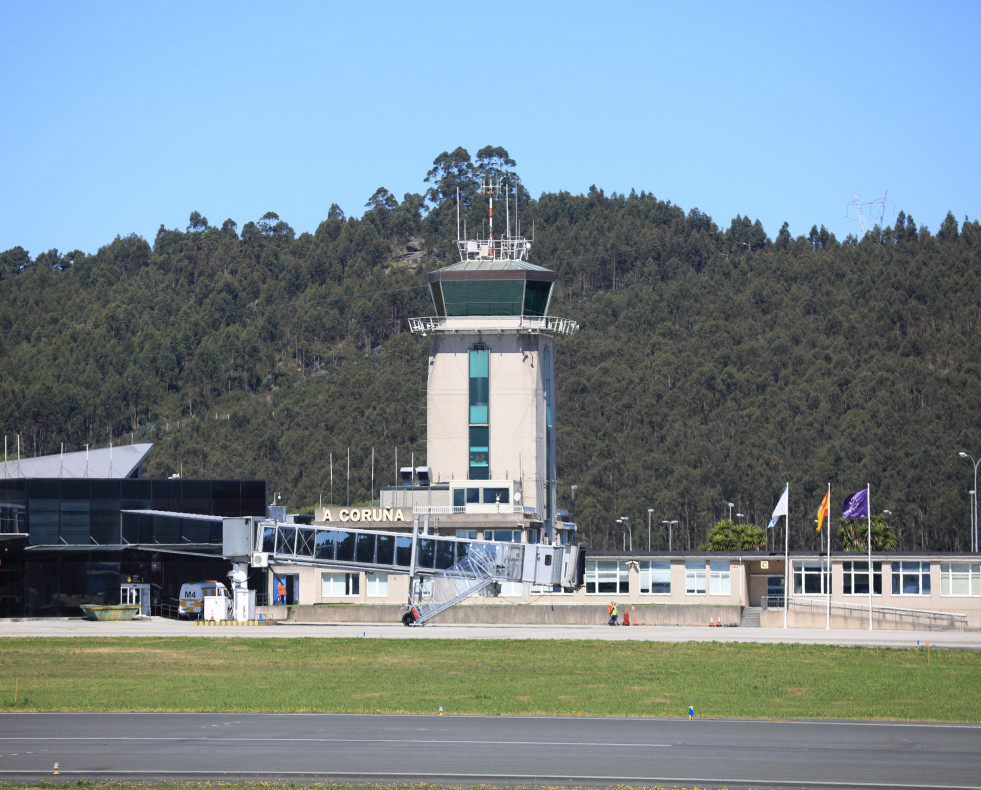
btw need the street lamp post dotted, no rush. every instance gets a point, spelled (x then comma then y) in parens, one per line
(669, 524)
(572, 515)
(974, 502)
(731, 506)
(650, 510)
(627, 531)
(739, 515)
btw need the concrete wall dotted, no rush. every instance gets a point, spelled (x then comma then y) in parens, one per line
(491, 614)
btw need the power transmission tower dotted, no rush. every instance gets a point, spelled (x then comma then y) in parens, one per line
(860, 209)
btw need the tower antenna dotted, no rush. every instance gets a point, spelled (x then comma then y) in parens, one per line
(490, 186)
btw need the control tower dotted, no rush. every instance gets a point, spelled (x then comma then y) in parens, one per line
(491, 379)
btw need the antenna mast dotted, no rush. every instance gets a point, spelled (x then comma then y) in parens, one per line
(490, 186)
(509, 247)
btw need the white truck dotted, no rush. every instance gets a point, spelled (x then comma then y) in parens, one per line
(191, 601)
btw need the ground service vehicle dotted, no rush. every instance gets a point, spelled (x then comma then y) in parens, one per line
(191, 601)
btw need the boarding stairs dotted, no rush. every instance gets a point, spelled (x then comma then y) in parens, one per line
(478, 572)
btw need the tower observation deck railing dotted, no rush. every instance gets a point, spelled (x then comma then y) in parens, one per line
(509, 248)
(521, 324)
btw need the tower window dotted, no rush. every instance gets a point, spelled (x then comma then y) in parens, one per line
(479, 418)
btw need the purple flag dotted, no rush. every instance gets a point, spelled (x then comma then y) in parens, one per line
(857, 505)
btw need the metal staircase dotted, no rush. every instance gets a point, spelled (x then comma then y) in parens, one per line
(482, 567)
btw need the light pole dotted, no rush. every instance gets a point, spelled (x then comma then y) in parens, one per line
(739, 515)
(974, 502)
(626, 526)
(670, 524)
(650, 510)
(731, 506)
(572, 515)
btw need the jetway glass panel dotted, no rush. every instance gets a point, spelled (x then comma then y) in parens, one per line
(365, 545)
(326, 544)
(385, 549)
(426, 553)
(286, 540)
(345, 546)
(403, 551)
(445, 554)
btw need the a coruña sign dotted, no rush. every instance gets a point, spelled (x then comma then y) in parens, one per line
(367, 516)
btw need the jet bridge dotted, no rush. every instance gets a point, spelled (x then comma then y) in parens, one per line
(447, 570)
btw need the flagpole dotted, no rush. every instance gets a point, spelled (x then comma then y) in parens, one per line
(786, 559)
(868, 513)
(827, 625)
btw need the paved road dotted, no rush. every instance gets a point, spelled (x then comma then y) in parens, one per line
(964, 640)
(472, 750)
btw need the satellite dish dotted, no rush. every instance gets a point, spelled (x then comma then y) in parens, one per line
(517, 496)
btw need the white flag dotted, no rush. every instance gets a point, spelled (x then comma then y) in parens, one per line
(780, 509)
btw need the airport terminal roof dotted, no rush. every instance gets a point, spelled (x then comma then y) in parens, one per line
(106, 463)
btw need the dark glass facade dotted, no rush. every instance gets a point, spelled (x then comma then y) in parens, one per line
(64, 542)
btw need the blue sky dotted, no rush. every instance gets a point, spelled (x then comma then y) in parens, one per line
(121, 116)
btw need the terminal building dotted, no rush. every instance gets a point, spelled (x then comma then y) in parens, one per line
(74, 526)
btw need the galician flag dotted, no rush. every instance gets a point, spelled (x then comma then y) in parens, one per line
(780, 509)
(824, 510)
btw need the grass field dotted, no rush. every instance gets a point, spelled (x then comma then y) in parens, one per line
(521, 677)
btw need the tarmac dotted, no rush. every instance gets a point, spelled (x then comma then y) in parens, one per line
(163, 627)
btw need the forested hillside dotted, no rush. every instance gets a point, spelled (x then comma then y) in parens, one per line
(714, 365)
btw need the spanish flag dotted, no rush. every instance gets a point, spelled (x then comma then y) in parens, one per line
(823, 510)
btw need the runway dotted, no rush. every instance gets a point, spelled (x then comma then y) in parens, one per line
(480, 750)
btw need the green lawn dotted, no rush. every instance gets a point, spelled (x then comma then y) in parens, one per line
(521, 677)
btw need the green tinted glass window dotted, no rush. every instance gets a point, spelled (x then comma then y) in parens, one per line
(484, 297)
(536, 297)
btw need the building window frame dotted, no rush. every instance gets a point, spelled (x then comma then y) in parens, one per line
(960, 579)
(607, 577)
(696, 577)
(812, 577)
(340, 585)
(720, 578)
(376, 585)
(855, 577)
(911, 577)
(655, 577)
